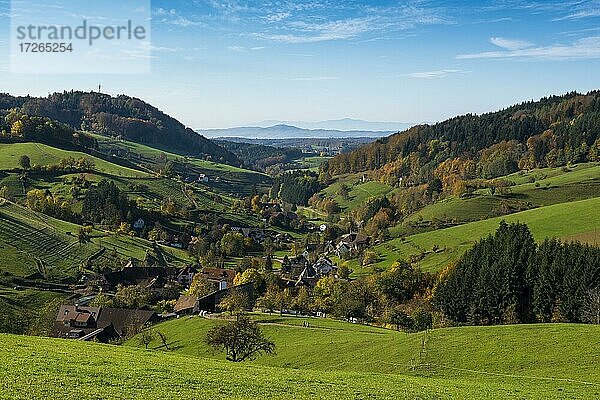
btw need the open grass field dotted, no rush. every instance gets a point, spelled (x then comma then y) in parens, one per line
(560, 220)
(536, 188)
(27, 298)
(530, 350)
(42, 154)
(37, 368)
(222, 177)
(359, 191)
(310, 163)
(330, 360)
(555, 176)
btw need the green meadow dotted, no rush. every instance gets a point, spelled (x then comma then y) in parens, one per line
(433, 250)
(42, 154)
(327, 344)
(329, 360)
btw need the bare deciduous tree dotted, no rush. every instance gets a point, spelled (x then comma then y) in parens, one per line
(146, 337)
(163, 338)
(591, 307)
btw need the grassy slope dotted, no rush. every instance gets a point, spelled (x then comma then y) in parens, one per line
(155, 190)
(549, 186)
(43, 368)
(42, 154)
(310, 163)
(559, 220)
(233, 180)
(329, 360)
(328, 344)
(359, 192)
(540, 187)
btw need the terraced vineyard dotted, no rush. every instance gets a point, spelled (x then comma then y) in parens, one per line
(38, 243)
(55, 254)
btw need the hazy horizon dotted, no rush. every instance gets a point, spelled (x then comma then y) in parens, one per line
(232, 63)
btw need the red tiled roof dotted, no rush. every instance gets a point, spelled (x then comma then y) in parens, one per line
(218, 274)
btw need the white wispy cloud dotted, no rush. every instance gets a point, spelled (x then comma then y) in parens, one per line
(315, 78)
(510, 44)
(279, 16)
(242, 49)
(595, 12)
(296, 25)
(579, 32)
(582, 49)
(434, 74)
(173, 17)
(318, 32)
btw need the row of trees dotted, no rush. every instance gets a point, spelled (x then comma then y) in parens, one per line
(396, 297)
(17, 125)
(64, 165)
(507, 278)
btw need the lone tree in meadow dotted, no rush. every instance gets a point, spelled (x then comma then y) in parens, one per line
(241, 339)
(146, 337)
(25, 162)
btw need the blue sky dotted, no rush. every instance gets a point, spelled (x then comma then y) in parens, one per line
(228, 63)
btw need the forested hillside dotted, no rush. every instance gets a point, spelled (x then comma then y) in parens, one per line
(260, 157)
(553, 131)
(122, 116)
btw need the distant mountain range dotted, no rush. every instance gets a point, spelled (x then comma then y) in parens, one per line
(345, 124)
(284, 131)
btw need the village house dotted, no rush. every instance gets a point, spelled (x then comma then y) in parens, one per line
(260, 235)
(324, 266)
(187, 305)
(352, 243)
(219, 277)
(139, 224)
(300, 271)
(311, 274)
(153, 278)
(186, 275)
(294, 266)
(211, 302)
(202, 178)
(101, 324)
